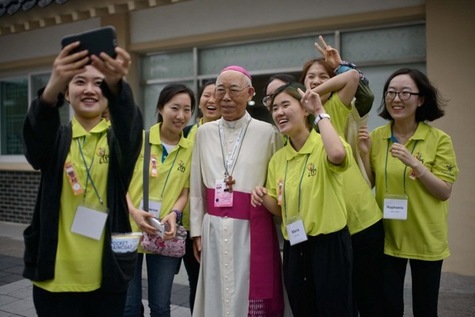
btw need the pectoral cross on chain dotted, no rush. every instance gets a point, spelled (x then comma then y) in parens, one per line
(229, 183)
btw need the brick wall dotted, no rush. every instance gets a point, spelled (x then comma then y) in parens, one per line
(17, 195)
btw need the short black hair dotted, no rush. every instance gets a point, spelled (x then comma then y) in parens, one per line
(286, 78)
(431, 108)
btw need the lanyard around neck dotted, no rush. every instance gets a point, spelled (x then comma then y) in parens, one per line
(88, 171)
(169, 170)
(230, 163)
(386, 164)
(299, 188)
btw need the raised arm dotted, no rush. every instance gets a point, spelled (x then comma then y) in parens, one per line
(364, 97)
(126, 117)
(344, 85)
(42, 121)
(336, 152)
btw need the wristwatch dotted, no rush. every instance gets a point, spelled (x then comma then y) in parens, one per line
(346, 66)
(178, 215)
(320, 117)
(343, 67)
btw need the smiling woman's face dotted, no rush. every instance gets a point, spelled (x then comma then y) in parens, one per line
(208, 106)
(84, 94)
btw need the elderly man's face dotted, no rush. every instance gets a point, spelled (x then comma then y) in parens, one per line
(233, 92)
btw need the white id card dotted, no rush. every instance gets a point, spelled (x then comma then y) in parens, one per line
(222, 197)
(296, 232)
(89, 222)
(395, 207)
(154, 206)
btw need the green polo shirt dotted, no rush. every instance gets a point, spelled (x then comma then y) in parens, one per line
(363, 210)
(79, 259)
(173, 174)
(312, 186)
(423, 235)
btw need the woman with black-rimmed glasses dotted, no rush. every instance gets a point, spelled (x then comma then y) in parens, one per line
(413, 166)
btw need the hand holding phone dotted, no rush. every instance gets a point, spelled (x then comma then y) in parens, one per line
(98, 40)
(154, 222)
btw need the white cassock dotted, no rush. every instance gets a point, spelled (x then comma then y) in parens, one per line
(240, 272)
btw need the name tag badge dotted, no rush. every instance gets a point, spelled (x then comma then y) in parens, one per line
(222, 197)
(89, 222)
(395, 207)
(154, 207)
(296, 232)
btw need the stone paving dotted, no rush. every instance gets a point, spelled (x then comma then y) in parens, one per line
(457, 292)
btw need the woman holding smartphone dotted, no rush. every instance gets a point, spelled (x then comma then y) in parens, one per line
(69, 254)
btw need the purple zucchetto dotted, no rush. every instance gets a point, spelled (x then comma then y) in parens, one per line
(236, 68)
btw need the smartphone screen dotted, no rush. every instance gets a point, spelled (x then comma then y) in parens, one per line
(95, 41)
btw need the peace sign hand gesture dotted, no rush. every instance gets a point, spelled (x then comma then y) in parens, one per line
(311, 101)
(331, 55)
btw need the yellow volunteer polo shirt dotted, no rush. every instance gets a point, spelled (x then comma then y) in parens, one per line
(79, 259)
(311, 182)
(363, 210)
(173, 174)
(186, 212)
(194, 128)
(338, 112)
(423, 235)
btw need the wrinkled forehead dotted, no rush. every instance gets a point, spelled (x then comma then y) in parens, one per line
(232, 78)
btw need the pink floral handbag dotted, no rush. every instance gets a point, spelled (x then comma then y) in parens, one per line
(174, 247)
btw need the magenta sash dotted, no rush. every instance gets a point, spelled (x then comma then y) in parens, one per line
(265, 267)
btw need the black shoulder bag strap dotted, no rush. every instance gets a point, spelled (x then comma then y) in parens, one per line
(187, 129)
(146, 165)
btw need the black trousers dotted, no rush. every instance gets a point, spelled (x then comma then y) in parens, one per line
(78, 304)
(368, 261)
(318, 275)
(425, 286)
(192, 267)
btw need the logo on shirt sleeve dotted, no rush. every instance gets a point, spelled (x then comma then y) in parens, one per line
(449, 169)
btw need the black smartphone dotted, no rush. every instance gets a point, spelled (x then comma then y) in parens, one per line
(98, 40)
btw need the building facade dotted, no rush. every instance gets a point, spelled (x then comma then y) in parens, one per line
(191, 41)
